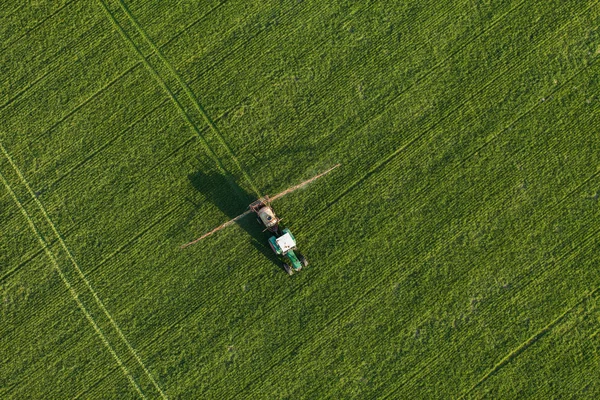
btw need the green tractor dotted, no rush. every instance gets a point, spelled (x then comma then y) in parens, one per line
(282, 241)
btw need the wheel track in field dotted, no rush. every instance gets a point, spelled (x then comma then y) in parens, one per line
(517, 351)
(87, 159)
(231, 52)
(588, 309)
(159, 220)
(353, 307)
(153, 340)
(111, 141)
(72, 291)
(199, 108)
(75, 227)
(136, 236)
(227, 55)
(81, 275)
(60, 67)
(191, 81)
(263, 84)
(89, 273)
(132, 68)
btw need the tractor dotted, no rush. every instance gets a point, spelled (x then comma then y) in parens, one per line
(282, 241)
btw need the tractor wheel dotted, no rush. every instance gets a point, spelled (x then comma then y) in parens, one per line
(259, 221)
(288, 269)
(303, 260)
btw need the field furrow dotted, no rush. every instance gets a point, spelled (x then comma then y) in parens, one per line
(453, 253)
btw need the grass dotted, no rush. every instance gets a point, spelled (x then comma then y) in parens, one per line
(453, 254)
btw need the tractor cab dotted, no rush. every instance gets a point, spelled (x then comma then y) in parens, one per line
(285, 246)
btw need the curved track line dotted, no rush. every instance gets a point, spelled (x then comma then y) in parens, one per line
(72, 291)
(81, 274)
(191, 95)
(174, 99)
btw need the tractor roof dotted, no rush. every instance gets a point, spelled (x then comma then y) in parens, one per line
(286, 242)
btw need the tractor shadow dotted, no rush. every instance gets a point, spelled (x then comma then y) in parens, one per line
(232, 200)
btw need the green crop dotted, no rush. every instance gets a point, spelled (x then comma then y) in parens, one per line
(453, 254)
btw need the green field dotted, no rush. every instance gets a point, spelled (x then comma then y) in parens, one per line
(454, 254)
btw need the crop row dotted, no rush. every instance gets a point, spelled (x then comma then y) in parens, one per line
(215, 275)
(151, 265)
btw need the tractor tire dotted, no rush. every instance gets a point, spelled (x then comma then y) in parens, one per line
(259, 221)
(288, 269)
(303, 260)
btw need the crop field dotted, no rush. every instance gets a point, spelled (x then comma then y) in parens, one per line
(454, 253)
